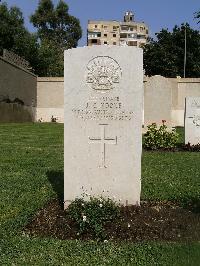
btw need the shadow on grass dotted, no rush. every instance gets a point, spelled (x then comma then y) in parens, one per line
(56, 178)
(193, 204)
(180, 131)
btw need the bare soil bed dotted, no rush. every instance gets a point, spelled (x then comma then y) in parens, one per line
(162, 221)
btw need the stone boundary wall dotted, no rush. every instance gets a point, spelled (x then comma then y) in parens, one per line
(157, 100)
(50, 99)
(41, 98)
(16, 113)
(164, 99)
(18, 93)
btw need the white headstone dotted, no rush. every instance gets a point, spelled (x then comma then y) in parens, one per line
(192, 120)
(103, 122)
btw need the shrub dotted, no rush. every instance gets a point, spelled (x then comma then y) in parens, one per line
(91, 216)
(160, 138)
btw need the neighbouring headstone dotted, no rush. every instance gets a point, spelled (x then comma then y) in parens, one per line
(192, 120)
(103, 123)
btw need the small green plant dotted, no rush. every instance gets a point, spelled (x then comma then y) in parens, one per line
(91, 216)
(160, 138)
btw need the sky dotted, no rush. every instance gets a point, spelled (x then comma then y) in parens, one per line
(157, 14)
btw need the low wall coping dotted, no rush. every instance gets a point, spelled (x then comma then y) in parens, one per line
(189, 80)
(50, 79)
(178, 80)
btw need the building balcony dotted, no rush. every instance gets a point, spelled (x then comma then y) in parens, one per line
(93, 37)
(130, 36)
(93, 29)
(128, 32)
(94, 34)
(128, 43)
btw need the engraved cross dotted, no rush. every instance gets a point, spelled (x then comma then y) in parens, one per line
(103, 141)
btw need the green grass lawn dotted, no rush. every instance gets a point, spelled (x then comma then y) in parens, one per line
(31, 158)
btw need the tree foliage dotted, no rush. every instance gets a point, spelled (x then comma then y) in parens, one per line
(15, 37)
(57, 31)
(165, 56)
(51, 59)
(197, 16)
(55, 24)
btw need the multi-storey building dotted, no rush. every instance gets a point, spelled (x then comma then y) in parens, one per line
(128, 32)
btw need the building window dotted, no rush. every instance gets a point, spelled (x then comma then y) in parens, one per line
(94, 40)
(114, 43)
(95, 26)
(123, 35)
(105, 34)
(114, 35)
(98, 34)
(132, 43)
(114, 28)
(105, 27)
(132, 35)
(125, 28)
(105, 42)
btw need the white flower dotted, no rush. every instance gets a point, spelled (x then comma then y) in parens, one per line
(100, 205)
(24, 234)
(129, 225)
(105, 241)
(82, 204)
(84, 218)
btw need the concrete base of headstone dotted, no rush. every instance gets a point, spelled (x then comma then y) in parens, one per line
(103, 123)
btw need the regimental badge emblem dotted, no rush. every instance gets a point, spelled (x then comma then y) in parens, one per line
(103, 73)
(195, 104)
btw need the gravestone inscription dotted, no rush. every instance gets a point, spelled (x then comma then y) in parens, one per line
(192, 120)
(103, 122)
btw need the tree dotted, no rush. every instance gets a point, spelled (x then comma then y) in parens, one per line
(57, 31)
(197, 16)
(165, 56)
(15, 37)
(51, 59)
